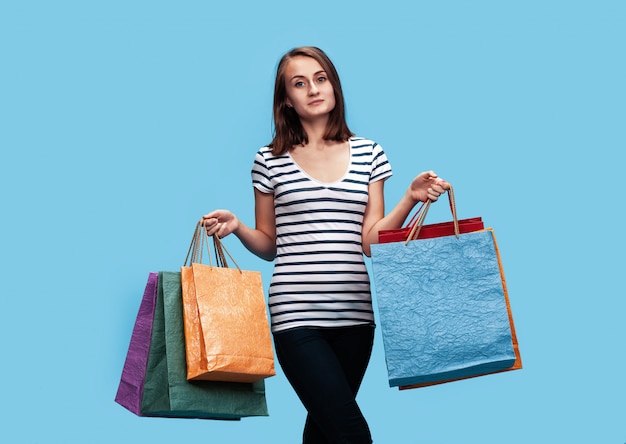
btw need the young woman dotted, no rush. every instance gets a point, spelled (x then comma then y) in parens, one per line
(319, 205)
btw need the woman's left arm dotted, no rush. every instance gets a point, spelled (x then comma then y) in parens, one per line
(426, 185)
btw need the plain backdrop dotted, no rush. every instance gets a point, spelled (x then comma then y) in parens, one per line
(122, 122)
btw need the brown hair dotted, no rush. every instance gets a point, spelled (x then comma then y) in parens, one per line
(288, 130)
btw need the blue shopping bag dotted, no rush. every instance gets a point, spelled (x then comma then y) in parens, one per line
(442, 308)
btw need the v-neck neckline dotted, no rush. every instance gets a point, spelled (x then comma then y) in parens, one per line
(322, 183)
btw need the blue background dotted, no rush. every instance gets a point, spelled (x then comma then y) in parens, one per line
(122, 122)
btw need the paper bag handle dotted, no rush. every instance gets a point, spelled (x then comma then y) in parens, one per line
(417, 221)
(194, 254)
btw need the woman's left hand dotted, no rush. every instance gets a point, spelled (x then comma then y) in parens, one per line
(427, 185)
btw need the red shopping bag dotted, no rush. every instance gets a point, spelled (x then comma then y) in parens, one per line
(431, 230)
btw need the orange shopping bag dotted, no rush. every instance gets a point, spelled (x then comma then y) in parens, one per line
(227, 334)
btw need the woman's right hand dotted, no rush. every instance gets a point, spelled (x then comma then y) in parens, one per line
(220, 222)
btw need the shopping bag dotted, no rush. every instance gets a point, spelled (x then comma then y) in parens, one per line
(130, 388)
(431, 230)
(517, 365)
(227, 333)
(442, 307)
(167, 392)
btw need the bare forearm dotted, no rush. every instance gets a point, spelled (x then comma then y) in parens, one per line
(256, 241)
(425, 186)
(394, 219)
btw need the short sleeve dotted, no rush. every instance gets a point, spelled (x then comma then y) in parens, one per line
(381, 168)
(260, 172)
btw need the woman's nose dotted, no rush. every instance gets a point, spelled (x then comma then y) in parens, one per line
(313, 89)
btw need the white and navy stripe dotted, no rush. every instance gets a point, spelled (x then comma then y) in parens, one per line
(320, 278)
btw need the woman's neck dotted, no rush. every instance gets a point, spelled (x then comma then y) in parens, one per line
(315, 131)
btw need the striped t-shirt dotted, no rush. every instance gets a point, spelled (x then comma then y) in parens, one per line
(320, 278)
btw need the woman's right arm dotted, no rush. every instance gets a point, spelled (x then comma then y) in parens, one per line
(260, 240)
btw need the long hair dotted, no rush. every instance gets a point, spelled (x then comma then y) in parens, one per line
(288, 130)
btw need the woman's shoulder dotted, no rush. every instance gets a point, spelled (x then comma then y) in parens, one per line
(265, 155)
(364, 142)
(265, 152)
(360, 139)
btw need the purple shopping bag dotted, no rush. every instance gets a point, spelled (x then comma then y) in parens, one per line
(130, 389)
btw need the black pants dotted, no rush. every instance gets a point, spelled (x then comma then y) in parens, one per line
(325, 366)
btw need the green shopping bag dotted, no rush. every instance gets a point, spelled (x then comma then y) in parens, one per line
(167, 392)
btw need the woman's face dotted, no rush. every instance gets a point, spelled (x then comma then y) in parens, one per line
(308, 89)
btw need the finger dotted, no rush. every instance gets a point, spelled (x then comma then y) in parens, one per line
(221, 232)
(218, 230)
(209, 227)
(443, 184)
(425, 176)
(209, 222)
(215, 214)
(433, 194)
(438, 188)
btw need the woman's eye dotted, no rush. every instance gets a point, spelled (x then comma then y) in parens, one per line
(321, 79)
(299, 84)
